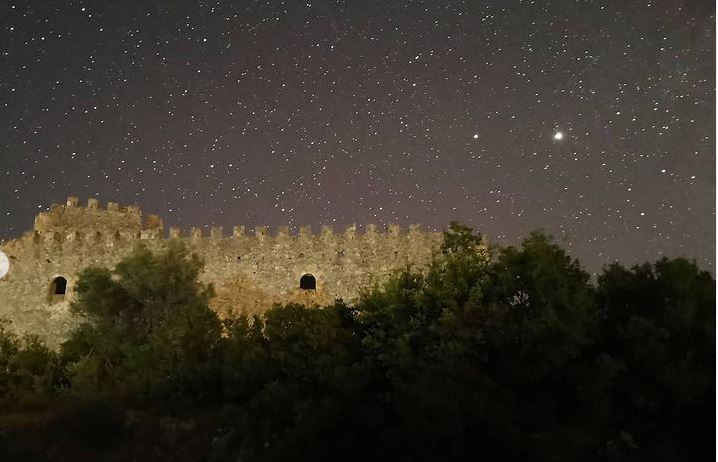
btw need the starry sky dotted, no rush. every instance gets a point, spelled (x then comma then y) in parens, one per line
(594, 120)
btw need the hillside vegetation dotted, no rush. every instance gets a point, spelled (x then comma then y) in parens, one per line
(510, 353)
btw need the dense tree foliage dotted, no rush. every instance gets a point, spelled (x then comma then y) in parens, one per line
(150, 331)
(492, 353)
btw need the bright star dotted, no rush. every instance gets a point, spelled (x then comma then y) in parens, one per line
(476, 136)
(558, 136)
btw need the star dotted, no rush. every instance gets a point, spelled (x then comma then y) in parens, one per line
(391, 135)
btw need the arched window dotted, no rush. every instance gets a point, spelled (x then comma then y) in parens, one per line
(58, 288)
(308, 282)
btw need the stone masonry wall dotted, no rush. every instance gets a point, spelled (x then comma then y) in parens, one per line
(249, 272)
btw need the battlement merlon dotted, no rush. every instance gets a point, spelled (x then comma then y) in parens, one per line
(94, 204)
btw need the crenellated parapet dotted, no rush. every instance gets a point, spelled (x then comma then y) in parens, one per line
(282, 233)
(91, 233)
(72, 226)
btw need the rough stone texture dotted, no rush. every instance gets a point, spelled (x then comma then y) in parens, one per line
(249, 272)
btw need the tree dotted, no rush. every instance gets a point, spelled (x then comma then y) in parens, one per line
(144, 291)
(657, 326)
(29, 371)
(149, 327)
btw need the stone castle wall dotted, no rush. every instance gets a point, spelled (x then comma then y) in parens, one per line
(249, 272)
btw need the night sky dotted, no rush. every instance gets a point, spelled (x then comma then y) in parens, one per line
(594, 120)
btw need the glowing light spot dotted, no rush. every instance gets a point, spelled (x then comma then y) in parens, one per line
(4, 265)
(558, 136)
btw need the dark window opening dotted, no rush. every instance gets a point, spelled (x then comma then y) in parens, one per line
(60, 285)
(308, 282)
(58, 289)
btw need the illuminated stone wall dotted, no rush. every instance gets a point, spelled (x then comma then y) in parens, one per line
(249, 272)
